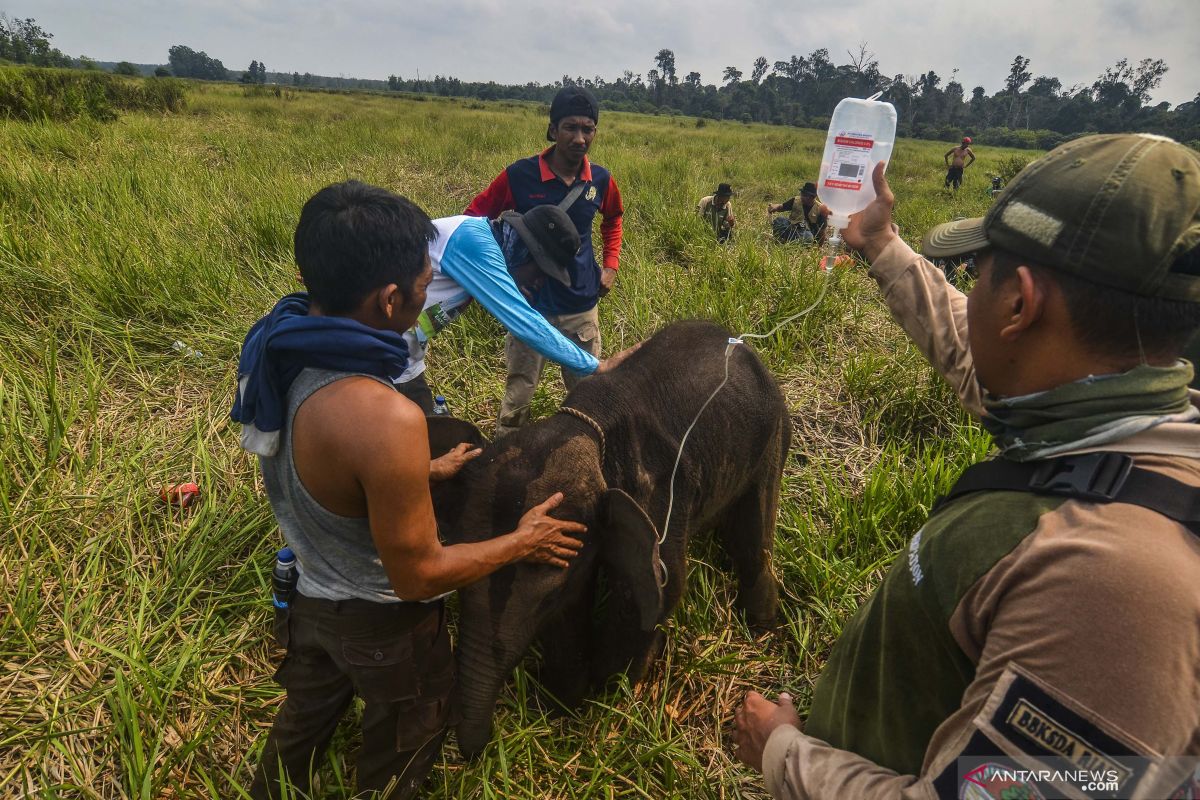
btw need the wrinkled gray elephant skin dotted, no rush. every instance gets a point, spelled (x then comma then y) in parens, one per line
(727, 482)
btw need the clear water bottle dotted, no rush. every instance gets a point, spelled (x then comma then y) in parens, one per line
(861, 134)
(440, 408)
(284, 578)
(183, 349)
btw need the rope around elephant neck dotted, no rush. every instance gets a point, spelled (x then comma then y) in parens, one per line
(575, 412)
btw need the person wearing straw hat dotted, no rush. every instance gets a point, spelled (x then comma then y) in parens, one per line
(806, 220)
(717, 211)
(1045, 620)
(503, 264)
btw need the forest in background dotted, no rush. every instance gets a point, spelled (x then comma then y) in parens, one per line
(1030, 111)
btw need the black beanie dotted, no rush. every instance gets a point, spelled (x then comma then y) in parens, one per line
(574, 101)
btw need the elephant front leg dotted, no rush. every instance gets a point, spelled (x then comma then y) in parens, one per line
(566, 653)
(623, 646)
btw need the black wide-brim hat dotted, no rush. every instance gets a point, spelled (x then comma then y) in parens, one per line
(551, 238)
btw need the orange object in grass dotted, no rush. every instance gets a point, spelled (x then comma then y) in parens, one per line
(180, 494)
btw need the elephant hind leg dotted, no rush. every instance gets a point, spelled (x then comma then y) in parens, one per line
(747, 533)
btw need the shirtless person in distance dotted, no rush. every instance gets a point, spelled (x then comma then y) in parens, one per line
(954, 173)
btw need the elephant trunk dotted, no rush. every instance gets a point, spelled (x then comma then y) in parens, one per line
(482, 670)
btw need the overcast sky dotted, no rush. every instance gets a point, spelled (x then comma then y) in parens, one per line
(514, 41)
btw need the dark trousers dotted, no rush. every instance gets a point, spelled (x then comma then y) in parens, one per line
(396, 657)
(786, 231)
(954, 175)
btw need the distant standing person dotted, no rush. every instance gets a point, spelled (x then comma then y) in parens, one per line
(807, 218)
(717, 211)
(954, 169)
(560, 175)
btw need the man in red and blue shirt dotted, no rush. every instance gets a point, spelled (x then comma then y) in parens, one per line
(560, 175)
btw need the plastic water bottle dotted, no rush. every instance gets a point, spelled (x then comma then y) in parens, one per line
(440, 409)
(283, 578)
(184, 350)
(861, 134)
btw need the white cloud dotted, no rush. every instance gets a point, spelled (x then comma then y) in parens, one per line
(519, 40)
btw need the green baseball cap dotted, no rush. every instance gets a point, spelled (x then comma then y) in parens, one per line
(1114, 209)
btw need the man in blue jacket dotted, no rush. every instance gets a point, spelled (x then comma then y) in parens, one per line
(503, 264)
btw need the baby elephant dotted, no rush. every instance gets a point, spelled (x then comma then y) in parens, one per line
(611, 450)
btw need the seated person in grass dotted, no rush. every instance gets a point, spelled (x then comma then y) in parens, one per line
(954, 169)
(717, 211)
(502, 264)
(807, 219)
(346, 467)
(1023, 624)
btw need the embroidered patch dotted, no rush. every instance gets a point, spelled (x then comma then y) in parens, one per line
(982, 771)
(1032, 222)
(1042, 729)
(1029, 719)
(992, 781)
(590, 194)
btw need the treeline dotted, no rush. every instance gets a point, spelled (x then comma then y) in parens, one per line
(22, 41)
(1027, 112)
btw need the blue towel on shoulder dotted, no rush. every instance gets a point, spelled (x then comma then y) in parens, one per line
(286, 341)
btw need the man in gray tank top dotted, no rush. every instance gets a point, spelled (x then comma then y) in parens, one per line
(346, 465)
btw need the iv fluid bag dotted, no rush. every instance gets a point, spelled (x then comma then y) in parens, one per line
(861, 134)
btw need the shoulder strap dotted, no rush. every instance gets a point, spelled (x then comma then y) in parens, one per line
(1094, 477)
(572, 195)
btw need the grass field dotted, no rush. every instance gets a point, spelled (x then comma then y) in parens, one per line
(135, 657)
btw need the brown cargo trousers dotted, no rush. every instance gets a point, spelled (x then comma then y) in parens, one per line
(396, 657)
(525, 366)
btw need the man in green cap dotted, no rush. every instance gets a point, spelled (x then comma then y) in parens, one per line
(1047, 616)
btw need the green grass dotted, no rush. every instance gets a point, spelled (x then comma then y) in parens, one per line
(36, 93)
(134, 637)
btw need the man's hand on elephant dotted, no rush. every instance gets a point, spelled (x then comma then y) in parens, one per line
(756, 718)
(447, 466)
(608, 276)
(544, 535)
(614, 361)
(871, 229)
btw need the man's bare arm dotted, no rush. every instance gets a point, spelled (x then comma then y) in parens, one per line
(392, 461)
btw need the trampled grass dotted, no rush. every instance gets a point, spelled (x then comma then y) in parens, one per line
(134, 636)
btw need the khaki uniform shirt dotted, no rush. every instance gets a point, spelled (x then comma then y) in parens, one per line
(719, 219)
(1085, 630)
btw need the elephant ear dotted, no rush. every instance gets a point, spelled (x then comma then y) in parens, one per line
(629, 550)
(446, 432)
(450, 496)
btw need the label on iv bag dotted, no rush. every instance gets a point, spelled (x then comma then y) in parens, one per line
(851, 157)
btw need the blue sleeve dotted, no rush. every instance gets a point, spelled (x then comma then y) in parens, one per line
(473, 259)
